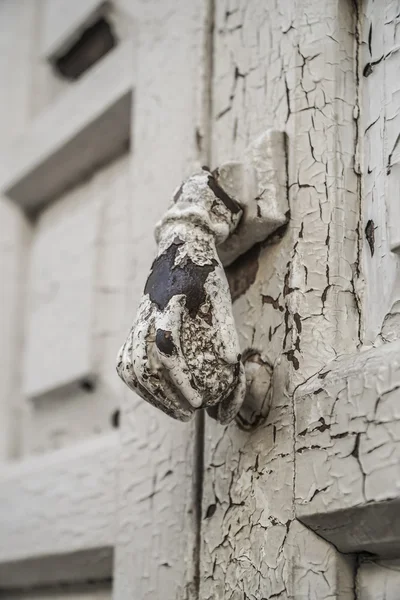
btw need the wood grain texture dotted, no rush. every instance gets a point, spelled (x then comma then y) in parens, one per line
(87, 126)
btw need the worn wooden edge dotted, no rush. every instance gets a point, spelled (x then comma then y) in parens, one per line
(370, 528)
(82, 130)
(346, 428)
(95, 564)
(58, 505)
(79, 17)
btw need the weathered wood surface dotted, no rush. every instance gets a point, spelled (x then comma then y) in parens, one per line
(74, 592)
(80, 131)
(15, 23)
(292, 67)
(57, 515)
(157, 542)
(306, 299)
(75, 299)
(348, 429)
(378, 580)
(379, 151)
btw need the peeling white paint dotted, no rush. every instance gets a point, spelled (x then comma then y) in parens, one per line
(182, 352)
(282, 504)
(291, 66)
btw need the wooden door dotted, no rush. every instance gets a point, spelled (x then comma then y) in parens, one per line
(97, 498)
(106, 107)
(306, 506)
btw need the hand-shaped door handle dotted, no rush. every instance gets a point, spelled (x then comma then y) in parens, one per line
(182, 353)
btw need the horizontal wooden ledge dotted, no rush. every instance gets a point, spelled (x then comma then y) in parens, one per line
(348, 451)
(59, 507)
(95, 564)
(373, 528)
(395, 244)
(86, 127)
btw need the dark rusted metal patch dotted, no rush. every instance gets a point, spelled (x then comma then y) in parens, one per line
(167, 280)
(243, 272)
(229, 202)
(164, 342)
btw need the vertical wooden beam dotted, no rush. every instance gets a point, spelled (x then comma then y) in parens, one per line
(289, 66)
(157, 541)
(16, 46)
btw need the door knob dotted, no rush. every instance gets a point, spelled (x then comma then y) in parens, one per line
(182, 353)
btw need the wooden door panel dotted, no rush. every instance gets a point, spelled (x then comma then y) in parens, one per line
(75, 300)
(159, 476)
(291, 67)
(272, 512)
(70, 513)
(380, 125)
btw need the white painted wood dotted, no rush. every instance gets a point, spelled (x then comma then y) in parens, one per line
(380, 109)
(15, 236)
(303, 300)
(57, 26)
(16, 23)
(84, 128)
(58, 514)
(60, 504)
(182, 352)
(157, 542)
(63, 22)
(291, 67)
(378, 580)
(55, 571)
(391, 43)
(61, 293)
(78, 274)
(348, 429)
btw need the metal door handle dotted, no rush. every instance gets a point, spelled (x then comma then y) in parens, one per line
(182, 353)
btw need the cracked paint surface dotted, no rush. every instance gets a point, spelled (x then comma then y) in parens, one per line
(379, 128)
(349, 431)
(294, 67)
(182, 353)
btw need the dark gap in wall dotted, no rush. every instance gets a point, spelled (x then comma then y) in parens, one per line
(116, 418)
(205, 152)
(94, 43)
